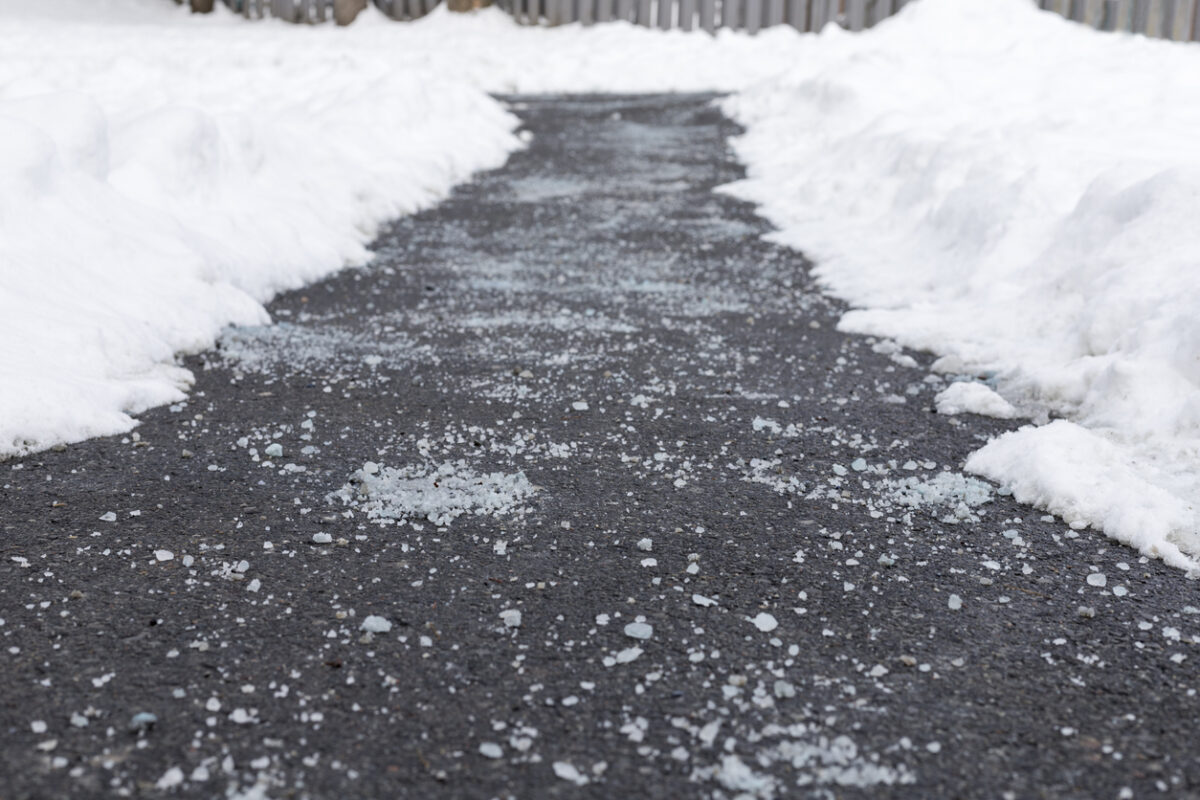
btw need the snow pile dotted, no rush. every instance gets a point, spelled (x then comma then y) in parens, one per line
(1018, 194)
(439, 495)
(162, 175)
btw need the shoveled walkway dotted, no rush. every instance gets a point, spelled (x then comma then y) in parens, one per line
(583, 389)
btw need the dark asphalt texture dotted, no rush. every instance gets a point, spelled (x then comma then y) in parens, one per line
(725, 421)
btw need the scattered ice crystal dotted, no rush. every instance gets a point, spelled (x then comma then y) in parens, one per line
(511, 617)
(639, 630)
(491, 750)
(765, 622)
(376, 624)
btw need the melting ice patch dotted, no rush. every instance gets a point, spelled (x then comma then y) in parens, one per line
(439, 494)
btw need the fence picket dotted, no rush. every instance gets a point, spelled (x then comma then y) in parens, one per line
(818, 18)
(772, 13)
(797, 14)
(1166, 26)
(604, 10)
(883, 10)
(625, 10)
(753, 15)
(665, 7)
(729, 14)
(856, 14)
(708, 15)
(687, 14)
(1196, 21)
(643, 13)
(1141, 16)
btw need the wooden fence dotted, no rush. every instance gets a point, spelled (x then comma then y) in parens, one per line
(315, 11)
(1168, 19)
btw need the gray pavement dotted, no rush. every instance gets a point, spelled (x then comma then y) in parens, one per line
(584, 389)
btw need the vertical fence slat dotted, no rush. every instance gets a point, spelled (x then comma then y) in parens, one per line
(818, 18)
(1140, 17)
(625, 10)
(665, 7)
(729, 13)
(774, 13)
(604, 10)
(1167, 25)
(687, 14)
(883, 10)
(856, 14)
(753, 15)
(797, 15)
(708, 15)
(587, 11)
(643, 13)
(1196, 21)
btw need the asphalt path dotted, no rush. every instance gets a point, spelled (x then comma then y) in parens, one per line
(584, 389)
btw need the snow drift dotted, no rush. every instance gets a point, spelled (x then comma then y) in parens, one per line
(163, 175)
(1018, 194)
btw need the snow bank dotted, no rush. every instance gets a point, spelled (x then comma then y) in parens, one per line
(163, 175)
(1020, 195)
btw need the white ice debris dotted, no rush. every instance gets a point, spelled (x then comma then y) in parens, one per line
(955, 602)
(511, 618)
(170, 779)
(645, 544)
(438, 494)
(765, 622)
(968, 397)
(1097, 579)
(951, 492)
(491, 750)
(108, 516)
(568, 772)
(1062, 269)
(163, 555)
(628, 654)
(274, 450)
(702, 601)
(322, 538)
(376, 624)
(639, 630)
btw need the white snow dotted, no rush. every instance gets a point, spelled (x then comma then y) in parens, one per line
(511, 618)
(1018, 194)
(163, 174)
(968, 397)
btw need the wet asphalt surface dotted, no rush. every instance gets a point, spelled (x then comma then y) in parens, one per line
(648, 417)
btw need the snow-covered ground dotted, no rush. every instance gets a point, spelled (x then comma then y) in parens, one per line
(1019, 195)
(1013, 192)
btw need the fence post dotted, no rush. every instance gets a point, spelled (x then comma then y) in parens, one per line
(708, 15)
(1141, 16)
(643, 13)
(856, 14)
(1196, 21)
